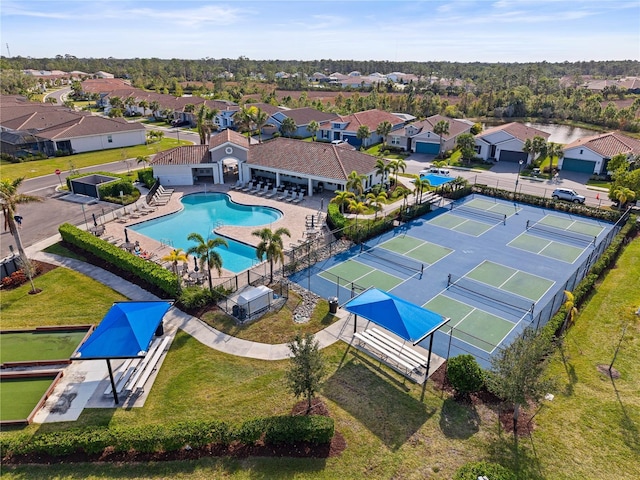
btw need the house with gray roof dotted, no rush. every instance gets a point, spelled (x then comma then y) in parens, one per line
(505, 143)
(419, 137)
(302, 118)
(346, 127)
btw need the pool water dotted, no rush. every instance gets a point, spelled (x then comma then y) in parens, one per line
(202, 213)
(437, 180)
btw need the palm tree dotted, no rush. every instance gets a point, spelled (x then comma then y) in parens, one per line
(422, 184)
(143, 104)
(259, 118)
(271, 246)
(313, 128)
(243, 120)
(154, 107)
(622, 195)
(383, 129)
(376, 202)
(571, 309)
(362, 134)
(129, 102)
(204, 123)
(357, 207)
(342, 198)
(143, 159)
(206, 253)
(355, 182)
(9, 200)
(288, 126)
(176, 255)
(553, 150)
(441, 128)
(397, 165)
(382, 168)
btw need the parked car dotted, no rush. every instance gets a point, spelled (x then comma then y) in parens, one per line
(568, 195)
(338, 142)
(180, 123)
(434, 170)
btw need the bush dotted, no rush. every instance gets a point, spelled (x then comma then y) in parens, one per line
(465, 374)
(475, 470)
(312, 429)
(197, 297)
(150, 272)
(145, 177)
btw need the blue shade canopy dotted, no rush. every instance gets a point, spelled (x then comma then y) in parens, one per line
(410, 322)
(125, 331)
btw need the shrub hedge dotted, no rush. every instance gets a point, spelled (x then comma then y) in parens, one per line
(150, 272)
(172, 437)
(490, 470)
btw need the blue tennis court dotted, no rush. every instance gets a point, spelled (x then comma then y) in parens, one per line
(479, 262)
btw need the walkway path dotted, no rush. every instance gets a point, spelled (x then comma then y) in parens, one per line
(195, 327)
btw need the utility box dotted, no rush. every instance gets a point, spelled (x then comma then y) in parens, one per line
(255, 299)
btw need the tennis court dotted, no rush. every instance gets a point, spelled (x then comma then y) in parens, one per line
(480, 262)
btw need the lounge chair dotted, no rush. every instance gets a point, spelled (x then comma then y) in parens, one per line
(273, 193)
(299, 199)
(263, 192)
(284, 195)
(292, 197)
(121, 217)
(165, 191)
(248, 187)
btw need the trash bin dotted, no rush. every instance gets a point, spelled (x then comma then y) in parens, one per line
(333, 305)
(160, 330)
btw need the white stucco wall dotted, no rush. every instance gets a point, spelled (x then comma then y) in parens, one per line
(587, 155)
(101, 142)
(173, 174)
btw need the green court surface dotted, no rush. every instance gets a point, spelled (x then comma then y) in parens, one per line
(19, 396)
(572, 226)
(32, 346)
(556, 250)
(515, 281)
(460, 224)
(471, 325)
(417, 249)
(493, 207)
(362, 275)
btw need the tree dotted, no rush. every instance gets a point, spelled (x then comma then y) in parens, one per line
(362, 134)
(342, 198)
(271, 246)
(384, 129)
(154, 107)
(397, 165)
(570, 306)
(176, 255)
(553, 150)
(206, 252)
(288, 127)
(358, 208)
(441, 129)
(622, 195)
(382, 168)
(376, 201)
(259, 118)
(422, 185)
(467, 145)
(355, 182)
(618, 162)
(142, 159)
(204, 123)
(465, 374)
(306, 369)
(534, 147)
(9, 200)
(313, 128)
(516, 371)
(143, 104)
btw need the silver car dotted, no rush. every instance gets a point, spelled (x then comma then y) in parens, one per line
(568, 195)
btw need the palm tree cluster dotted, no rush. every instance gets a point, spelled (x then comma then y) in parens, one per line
(271, 245)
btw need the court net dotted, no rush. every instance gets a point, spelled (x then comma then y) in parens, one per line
(492, 296)
(580, 238)
(478, 212)
(393, 260)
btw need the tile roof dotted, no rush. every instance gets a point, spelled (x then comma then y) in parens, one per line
(267, 107)
(313, 159)
(90, 125)
(608, 144)
(186, 155)
(517, 130)
(456, 127)
(370, 118)
(226, 136)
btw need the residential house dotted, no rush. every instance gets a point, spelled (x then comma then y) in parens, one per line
(592, 154)
(302, 118)
(282, 161)
(505, 143)
(346, 127)
(419, 137)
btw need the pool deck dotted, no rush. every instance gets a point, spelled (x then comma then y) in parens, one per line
(293, 218)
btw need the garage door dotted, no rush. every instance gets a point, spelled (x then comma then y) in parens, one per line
(512, 156)
(431, 148)
(576, 165)
(352, 140)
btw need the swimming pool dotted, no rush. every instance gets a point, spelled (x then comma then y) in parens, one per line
(202, 213)
(436, 180)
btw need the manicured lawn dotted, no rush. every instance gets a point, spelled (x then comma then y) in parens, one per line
(590, 429)
(599, 183)
(377, 150)
(48, 166)
(274, 328)
(67, 298)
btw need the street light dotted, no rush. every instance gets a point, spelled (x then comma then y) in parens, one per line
(518, 177)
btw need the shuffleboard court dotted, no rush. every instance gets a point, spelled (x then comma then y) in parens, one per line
(37, 346)
(20, 396)
(548, 248)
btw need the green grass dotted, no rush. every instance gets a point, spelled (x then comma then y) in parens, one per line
(599, 183)
(67, 298)
(274, 328)
(48, 166)
(377, 150)
(30, 346)
(19, 396)
(588, 430)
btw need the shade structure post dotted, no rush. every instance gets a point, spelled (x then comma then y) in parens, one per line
(355, 323)
(113, 382)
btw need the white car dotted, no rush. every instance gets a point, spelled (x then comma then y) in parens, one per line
(434, 170)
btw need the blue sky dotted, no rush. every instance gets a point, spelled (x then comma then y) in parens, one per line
(400, 30)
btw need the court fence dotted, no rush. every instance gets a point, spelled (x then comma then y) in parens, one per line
(271, 299)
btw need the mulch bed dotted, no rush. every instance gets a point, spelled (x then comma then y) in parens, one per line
(488, 399)
(236, 449)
